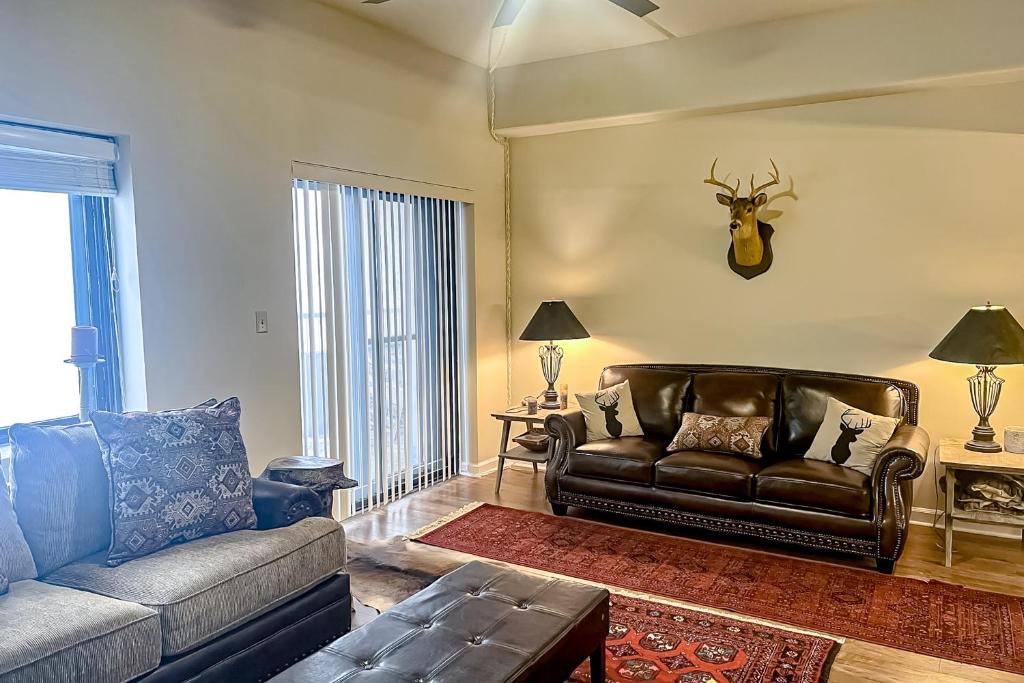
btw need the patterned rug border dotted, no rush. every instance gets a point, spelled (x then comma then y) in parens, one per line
(611, 588)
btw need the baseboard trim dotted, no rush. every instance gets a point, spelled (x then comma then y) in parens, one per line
(930, 516)
(481, 468)
(490, 466)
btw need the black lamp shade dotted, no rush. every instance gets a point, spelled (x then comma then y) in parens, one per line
(553, 320)
(986, 335)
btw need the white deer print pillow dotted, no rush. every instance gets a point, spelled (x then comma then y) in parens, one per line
(609, 413)
(851, 437)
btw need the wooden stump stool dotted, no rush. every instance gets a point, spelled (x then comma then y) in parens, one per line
(322, 475)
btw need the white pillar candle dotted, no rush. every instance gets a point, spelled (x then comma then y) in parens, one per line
(1013, 439)
(85, 341)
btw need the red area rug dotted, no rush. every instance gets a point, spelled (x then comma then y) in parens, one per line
(649, 641)
(927, 617)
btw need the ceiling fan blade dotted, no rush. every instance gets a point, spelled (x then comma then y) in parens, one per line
(508, 13)
(641, 8)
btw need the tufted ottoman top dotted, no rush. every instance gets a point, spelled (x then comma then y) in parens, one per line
(478, 624)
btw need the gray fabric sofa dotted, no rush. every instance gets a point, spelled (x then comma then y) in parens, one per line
(239, 606)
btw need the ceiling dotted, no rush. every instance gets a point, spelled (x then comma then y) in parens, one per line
(546, 29)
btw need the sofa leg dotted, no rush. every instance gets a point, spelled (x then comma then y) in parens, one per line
(885, 566)
(559, 509)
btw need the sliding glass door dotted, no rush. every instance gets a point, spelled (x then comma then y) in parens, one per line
(382, 343)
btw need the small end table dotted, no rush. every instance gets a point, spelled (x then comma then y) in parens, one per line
(955, 457)
(322, 475)
(507, 417)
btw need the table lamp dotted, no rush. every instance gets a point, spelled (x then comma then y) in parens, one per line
(986, 336)
(552, 321)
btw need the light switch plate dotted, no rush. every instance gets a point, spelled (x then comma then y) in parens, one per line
(261, 322)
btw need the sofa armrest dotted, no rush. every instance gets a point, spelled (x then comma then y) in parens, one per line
(568, 425)
(279, 504)
(902, 459)
(567, 430)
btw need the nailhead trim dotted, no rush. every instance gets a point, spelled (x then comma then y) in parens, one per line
(755, 529)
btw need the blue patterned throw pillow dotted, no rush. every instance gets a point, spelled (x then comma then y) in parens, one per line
(175, 476)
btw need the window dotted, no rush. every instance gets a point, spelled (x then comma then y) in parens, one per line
(57, 271)
(382, 311)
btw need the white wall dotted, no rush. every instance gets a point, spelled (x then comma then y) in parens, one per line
(217, 99)
(897, 232)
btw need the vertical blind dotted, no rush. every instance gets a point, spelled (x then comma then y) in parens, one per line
(382, 312)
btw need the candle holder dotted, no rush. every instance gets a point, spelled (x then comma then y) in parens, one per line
(86, 383)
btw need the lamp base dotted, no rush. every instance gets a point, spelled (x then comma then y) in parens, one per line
(984, 441)
(985, 388)
(550, 365)
(550, 401)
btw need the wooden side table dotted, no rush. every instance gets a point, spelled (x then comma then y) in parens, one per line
(507, 417)
(954, 457)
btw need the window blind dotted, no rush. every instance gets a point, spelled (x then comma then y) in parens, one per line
(56, 161)
(381, 303)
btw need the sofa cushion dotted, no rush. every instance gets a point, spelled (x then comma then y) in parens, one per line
(738, 394)
(60, 492)
(805, 398)
(15, 557)
(205, 587)
(713, 473)
(175, 476)
(657, 394)
(815, 485)
(66, 636)
(627, 459)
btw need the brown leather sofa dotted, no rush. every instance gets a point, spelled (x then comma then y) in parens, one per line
(781, 497)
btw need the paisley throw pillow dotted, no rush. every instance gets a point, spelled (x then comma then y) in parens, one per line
(735, 435)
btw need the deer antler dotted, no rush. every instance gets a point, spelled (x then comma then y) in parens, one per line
(774, 173)
(607, 398)
(711, 180)
(779, 195)
(768, 215)
(855, 420)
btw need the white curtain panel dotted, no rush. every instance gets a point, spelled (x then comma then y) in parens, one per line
(382, 340)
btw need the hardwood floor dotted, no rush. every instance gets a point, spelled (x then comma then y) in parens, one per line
(981, 562)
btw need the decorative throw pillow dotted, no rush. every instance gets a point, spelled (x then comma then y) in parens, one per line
(16, 561)
(175, 476)
(609, 413)
(851, 437)
(738, 435)
(59, 489)
(4, 583)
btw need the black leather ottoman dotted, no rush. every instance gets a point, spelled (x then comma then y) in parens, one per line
(478, 624)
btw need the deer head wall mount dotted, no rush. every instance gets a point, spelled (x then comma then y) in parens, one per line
(750, 253)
